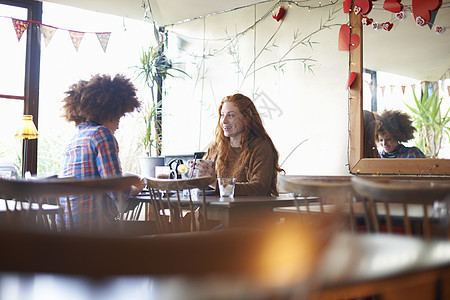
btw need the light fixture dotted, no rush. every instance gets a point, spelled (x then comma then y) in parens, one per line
(27, 131)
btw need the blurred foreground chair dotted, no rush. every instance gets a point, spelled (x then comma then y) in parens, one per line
(407, 201)
(320, 195)
(54, 204)
(166, 203)
(252, 261)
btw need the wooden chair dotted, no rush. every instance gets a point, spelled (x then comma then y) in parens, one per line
(166, 203)
(32, 196)
(408, 200)
(322, 194)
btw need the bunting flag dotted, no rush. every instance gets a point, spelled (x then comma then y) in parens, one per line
(103, 38)
(392, 89)
(19, 26)
(448, 90)
(382, 90)
(403, 89)
(76, 37)
(48, 32)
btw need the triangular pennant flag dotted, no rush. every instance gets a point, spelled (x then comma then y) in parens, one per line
(392, 89)
(432, 18)
(76, 37)
(448, 90)
(103, 38)
(20, 26)
(403, 89)
(382, 90)
(47, 32)
(372, 88)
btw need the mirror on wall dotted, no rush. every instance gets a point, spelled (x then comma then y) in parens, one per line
(397, 63)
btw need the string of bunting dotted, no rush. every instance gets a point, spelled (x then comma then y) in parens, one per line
(48, 31)
(393, 87)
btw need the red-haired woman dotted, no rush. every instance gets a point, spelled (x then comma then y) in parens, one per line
(242, 149)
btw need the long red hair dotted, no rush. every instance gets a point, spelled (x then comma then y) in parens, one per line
(253, 129)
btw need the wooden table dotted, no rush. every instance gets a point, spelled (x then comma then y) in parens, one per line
(237, 211)
(352, 266)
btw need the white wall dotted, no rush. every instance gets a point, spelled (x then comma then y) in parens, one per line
(311, 107)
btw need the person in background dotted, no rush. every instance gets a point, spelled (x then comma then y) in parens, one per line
(96, 107)
(242, 149)
(393, 129)
(370, 144)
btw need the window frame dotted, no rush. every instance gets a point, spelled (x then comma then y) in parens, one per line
(32, 73)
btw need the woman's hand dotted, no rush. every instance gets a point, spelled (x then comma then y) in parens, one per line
(206, 168)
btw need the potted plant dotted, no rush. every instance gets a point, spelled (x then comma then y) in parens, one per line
(153, 69)
(430, 123)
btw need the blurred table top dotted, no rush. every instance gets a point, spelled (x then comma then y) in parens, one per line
(359, 264)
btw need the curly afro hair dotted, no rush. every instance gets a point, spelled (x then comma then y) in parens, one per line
(100, 99)
(397, 124)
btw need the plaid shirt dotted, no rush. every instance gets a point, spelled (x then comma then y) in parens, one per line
(92, 153)
(403, 152)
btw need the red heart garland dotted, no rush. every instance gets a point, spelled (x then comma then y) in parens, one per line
(387, 26)
(366, 20)
(351, 79)
(345, 42)
(439, 29)
(400, 15)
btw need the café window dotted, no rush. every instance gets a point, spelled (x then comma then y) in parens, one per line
(12, 79)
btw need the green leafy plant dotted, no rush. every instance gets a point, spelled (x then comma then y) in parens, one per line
(153, 69)
(430, 123)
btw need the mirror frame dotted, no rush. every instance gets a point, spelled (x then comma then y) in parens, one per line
(358, 164)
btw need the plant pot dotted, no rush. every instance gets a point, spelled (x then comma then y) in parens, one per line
(148, 163)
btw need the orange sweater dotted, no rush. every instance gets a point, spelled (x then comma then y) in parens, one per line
(253, 177)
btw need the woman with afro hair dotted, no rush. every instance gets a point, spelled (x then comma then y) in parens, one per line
(394, 128)
(96, 106)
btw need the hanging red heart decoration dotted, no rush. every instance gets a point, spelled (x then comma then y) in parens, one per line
(347, 5)
(347, 42)
(423, 9)
(280, 15)
(364, 5)
(351, 79)
(393, 5)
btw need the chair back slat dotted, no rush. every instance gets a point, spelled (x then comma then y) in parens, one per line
(171, 215)
(321, 195)
(65, 204)
(404, 195)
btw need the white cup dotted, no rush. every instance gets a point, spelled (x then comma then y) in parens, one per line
(164, 172)
(226, 187)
